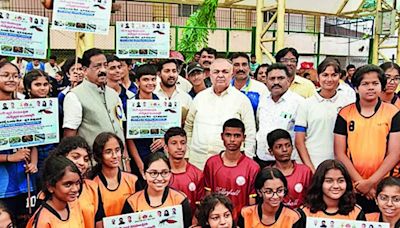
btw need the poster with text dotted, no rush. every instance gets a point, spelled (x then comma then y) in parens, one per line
(92, 16)
(23, 35)
(142, 39)
(152, 118)
(340, 223)
(166, 217)
(25, 123)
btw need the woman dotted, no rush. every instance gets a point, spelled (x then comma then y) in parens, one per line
(271, 187)
(62, 186)
(316, 117)
(15, 162)
(157, 194)
(72, 68)
(78, 151)
(331, 194)
(37, 85)
(388, 200)
(7, 219)
(114, 185)
(392, 73)
(216, 211)
(261, 73)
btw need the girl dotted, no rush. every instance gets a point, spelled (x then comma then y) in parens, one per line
(392, 73)
(216, 211)
(331, 195)
(388, 200)
(62, 185)
(157, 194)
(37, 85)
(6, 217)
(271, 187)
(114, 185)
(317, 115)
(78, 151)
(14, 163)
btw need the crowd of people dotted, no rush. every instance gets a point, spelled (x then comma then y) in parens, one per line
(259, 144)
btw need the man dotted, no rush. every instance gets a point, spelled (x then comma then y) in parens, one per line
(34, 65)
(367, 135)
(276, 110)
(127, 78)
(210, 109)
(114, 79)
(51, 67)
(289, 57)
(196, 57)
(253, 89)
(185, 176)
(350, 69)
(298, 176)
(92, 107)
(195, 75)
(231, 172)
(253, 64)
(168, 73)
(207, 57)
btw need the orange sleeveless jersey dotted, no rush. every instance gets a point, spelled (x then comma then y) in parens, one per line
(366, 137)
(286, 218)
(138, 200)
(373, 217)
(89, 202)
(113, 200)
(355, 214)
(46, 217)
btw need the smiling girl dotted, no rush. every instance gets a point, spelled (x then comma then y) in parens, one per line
(331, 195)
(157, 194)
(62, 186)
(115, 186)
(388, 200)
(271, 187)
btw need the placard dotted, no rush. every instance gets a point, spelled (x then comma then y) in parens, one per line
(30, 122)
(152, 118)
(92, 16)
(341, 223)
(142, 39)
(166, 217)
(23, 35)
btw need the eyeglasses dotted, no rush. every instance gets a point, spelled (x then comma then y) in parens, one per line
(390, 78)
(284, 60)
(280, 192)
(154, 174)
(385, 199)
(10, 76)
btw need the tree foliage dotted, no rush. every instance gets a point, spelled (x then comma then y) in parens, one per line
(195, 35)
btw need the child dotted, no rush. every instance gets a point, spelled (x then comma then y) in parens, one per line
(62, 186)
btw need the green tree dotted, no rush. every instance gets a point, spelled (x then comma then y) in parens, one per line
(195, 36)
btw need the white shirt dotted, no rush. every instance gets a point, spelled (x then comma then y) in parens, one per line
(181, 83)
(206, 117)
(51, 70)
(178, 95)
(274, 115)
(316, 117)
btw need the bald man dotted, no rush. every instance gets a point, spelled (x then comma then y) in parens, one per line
(210, 109)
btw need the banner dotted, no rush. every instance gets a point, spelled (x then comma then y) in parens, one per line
(340, 223)
(23, 35)
(142, 39)
(166, 217)
(92, 16)
(151, 118)
(30, 122)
